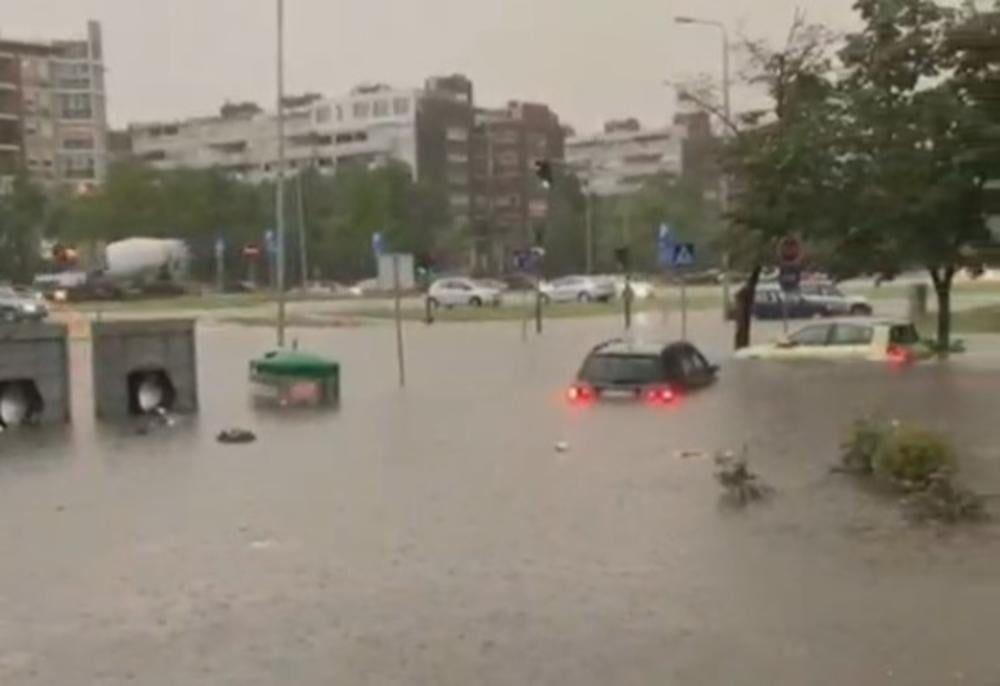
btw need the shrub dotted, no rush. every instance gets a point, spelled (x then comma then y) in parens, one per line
(943, 501)
(868, 436)
(912, 458)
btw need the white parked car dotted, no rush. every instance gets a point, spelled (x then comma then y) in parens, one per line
(459, 291)
(641, 288)
(582, 289)
(852, 339)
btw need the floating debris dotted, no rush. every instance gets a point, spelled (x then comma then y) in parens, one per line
(236, 436)
(742, 486)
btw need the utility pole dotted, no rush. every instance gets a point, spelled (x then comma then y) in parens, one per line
(303, 258)
(280, 197)
(728, 113)
(590, 232)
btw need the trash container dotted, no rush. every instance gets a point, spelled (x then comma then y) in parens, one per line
(917, 298)
(295, 379)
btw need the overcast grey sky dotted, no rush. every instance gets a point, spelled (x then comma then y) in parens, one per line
(590, 59)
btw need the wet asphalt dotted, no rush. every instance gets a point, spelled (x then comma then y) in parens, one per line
(434, 535)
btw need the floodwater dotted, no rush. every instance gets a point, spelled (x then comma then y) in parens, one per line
(435, 536)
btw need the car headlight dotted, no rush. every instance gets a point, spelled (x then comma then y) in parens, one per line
(30, 307)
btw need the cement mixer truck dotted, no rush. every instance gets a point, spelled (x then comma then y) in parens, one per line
(152, 266)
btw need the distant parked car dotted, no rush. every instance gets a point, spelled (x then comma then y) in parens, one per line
(578, 289)
(495, 284)
(18, 307)
(834, 300)
(770, 302)
(519, 281)
(363, 287)
(812, 300)
(454, 292)
(850, 339)
(642, 289)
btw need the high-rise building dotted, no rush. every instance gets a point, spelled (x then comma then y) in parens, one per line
(53, 111)
(622, 158)
(509, 203)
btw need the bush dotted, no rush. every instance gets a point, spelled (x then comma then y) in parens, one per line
(868, 436)
(943, 501)
(912, 458)
(920, 462)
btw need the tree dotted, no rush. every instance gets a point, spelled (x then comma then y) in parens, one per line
(345, 210)
(777, 155)
(909, 138)
(22, 219)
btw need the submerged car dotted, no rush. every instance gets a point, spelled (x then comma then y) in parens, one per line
(655, 372)
(852, 339)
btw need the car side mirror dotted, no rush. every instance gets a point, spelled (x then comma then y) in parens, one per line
(713, 368)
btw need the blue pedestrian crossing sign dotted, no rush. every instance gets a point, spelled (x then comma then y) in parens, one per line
(683, 254)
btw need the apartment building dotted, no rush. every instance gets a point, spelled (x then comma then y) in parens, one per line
(428, 129)
(624, 156)
(509, 203)
(53, 111)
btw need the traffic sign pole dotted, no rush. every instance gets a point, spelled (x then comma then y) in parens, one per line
(790, 254)
(684, 308)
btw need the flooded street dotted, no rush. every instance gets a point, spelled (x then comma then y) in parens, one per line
(435, 536)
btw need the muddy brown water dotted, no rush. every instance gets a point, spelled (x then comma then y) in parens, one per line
(435, 536)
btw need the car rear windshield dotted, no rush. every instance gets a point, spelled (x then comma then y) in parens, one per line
(622, 369)
(905, 334)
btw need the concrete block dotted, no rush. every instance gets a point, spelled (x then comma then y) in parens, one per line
(127, 354)
(34, 357)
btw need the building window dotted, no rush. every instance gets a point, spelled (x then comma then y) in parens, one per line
(75, 106)
(457, 134)
(381, 108)
(79, 167)
(361, 110)
(323, 114)
(401, 106)
(340, 113)
(78, 143)
(507, 136)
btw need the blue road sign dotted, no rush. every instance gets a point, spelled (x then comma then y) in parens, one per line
(378, 243)
(665, 247)
(683, 255)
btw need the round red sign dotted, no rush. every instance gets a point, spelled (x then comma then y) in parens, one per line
(790, 250)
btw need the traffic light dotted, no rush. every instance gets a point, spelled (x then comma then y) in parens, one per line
(543, 170)
(539, 236)
(622, 258)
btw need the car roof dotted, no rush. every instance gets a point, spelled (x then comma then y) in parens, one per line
(863, 321)
(638, 348)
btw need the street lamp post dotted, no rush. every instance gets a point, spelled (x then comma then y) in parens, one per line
(280, 190)
(727, 112)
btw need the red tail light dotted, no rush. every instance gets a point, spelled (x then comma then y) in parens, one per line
(580, 393)
(898, 354)
(660, 396)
